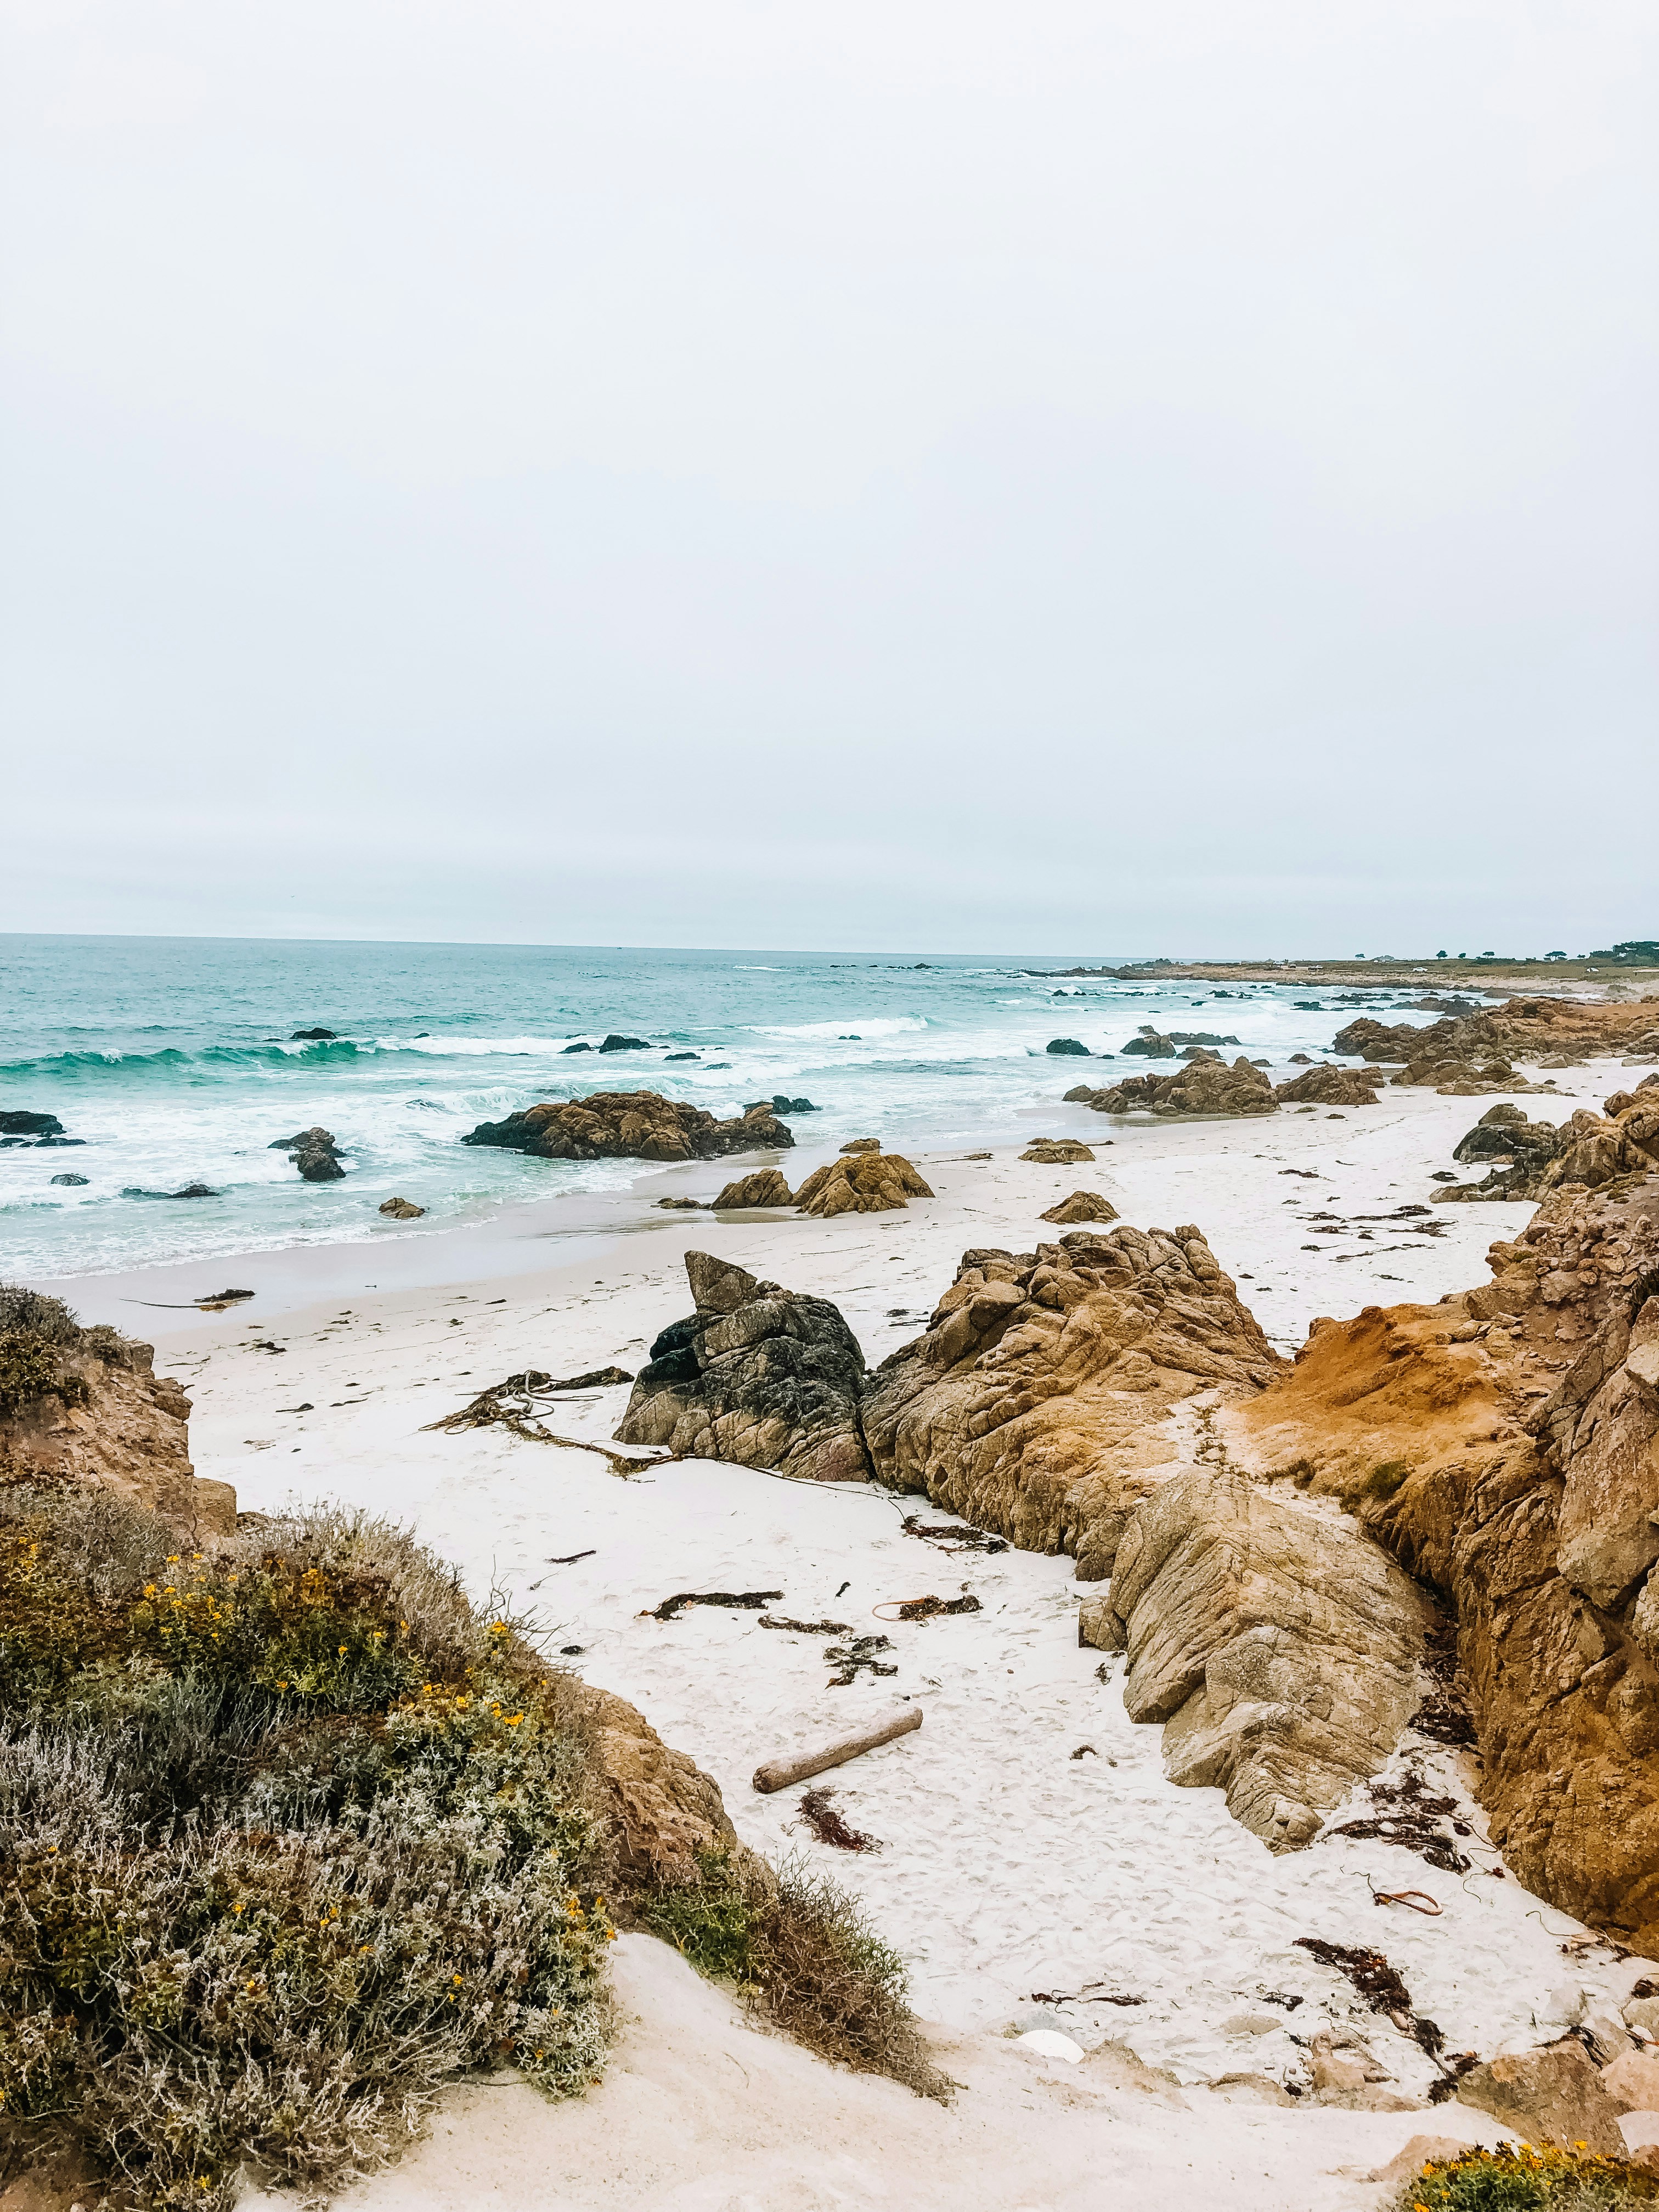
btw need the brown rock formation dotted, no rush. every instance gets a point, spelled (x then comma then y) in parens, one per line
(766, 1186)
(401, 1209)
(314, 1152)
(1531, 1159)
(862, 1145)
(1057, 1151)
(1504, 1445)
(1081, 1206)
(755, 1375)
(631, 1125)
(865, 1183)
(1277, 1642)
(1562, 1031)
(1040, 1402)
(1206, 1087)
(1325, 1085)
(87, 1406)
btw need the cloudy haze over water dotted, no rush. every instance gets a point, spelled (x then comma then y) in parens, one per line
(1174, 479)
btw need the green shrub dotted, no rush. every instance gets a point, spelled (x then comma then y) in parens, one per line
(1518, 2178)
(31, 1369)
(1385, 1478)
(796, 1945)
(289, 1837)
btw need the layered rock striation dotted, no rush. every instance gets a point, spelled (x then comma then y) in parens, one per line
(1504, 1447)
(631, 1125)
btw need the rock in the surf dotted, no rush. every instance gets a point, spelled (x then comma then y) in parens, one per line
(755, 1374)
(631, 1125)
(1068, 1047)
(71, 1181)
(615, 1043)
(15, 1121)
(867, 1182)
(314, 1037)
(314, 1153)
(401, 1209)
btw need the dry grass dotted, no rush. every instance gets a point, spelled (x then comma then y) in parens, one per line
(799, 1948)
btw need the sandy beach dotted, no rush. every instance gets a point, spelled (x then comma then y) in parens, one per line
(1035, 1867)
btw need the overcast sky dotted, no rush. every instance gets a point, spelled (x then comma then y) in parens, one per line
(1158, 476)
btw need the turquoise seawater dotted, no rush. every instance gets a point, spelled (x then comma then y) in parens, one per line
(173, 1062)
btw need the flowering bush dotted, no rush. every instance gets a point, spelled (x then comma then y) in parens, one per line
(289, 1837)
(1515, 2177)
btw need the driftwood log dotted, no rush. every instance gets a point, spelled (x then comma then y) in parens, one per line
(779, 1773)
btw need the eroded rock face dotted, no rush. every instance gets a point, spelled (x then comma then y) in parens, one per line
(766, 1186)
(1504, 1445)
(314, 1153)
(755, 1375)
(863, 1182)
(1203, 1086)
(1325, 1085)
(1557, 1032)
(1277, 1643)
(1039, 1403)
(129, 1433)
(631, 1125)
(1081, 1206)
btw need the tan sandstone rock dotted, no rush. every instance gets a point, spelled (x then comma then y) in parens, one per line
(632, 1124)
(868, 1183)
(1040, 1400)
(1420, 2151)
(1325, 1085)
(1499, 1445)
(1081, 1206)
(1056, 1151)
(1553, 2096)
(862, 1145)
(1633, 2079)
(766, 1186)
(1276, 1641)
(129, 1433)
(1207, 1086)
(401, 1209)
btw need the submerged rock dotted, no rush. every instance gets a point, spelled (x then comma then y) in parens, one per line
(186, 1190)
(755, 1375)
(73, 1181)
(867, 1182)
(615, 1043)
(631, 1125)
(314, 1037)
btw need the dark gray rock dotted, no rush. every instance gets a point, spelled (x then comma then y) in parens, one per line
(189, 1190)
(1149, 1045)
(17, 1123)
(1067, 1045)
(578, 1047)
(73, 1181)
(617, 1043)
(314, 1037)
(315, 1154)
(755, 1375)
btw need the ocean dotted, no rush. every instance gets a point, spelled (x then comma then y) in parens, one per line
(173, 1062)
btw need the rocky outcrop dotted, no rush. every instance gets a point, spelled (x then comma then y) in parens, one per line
(1069, 1046)
(1554, 2096)
(1150, 1045)
(401, 1209)
(315, 1154)
(766, 1186)
(755, 1375)
(1559, 1031)
(1202, 1087)
(1531, 1159)
(1277, 1643)
(314, 1037)
(865, 1182)
(87, 1406)
(862, 1145)
(1041, 1401)
(1057, 1151)
(1325, 1085)
(615, 1043)
(664, 1811)
(1503, 1446)
(1516, 1152)
(631, 1125)
(16, 1123)
(1081, 1206)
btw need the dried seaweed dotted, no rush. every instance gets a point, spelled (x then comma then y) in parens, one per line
(1379, 1985)
(1408, 1816)
(860, 1653)
(748, 1600)
(954, 1535)
(810, 1627)
(924, 1608)
(828, 1825)
(523, 1401)
(1443, 1715)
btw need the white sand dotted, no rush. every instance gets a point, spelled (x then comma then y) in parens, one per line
(1008, 1868)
